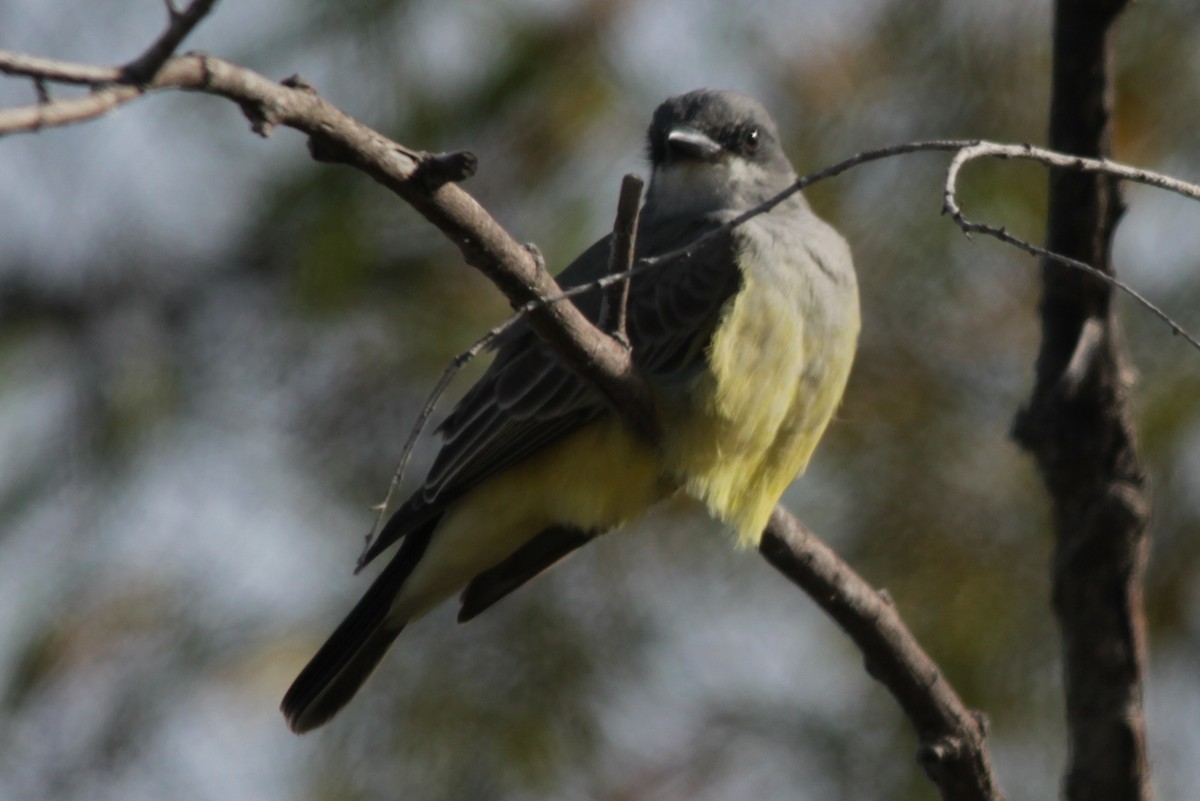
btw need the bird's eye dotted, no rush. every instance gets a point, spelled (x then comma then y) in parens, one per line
(750, 140)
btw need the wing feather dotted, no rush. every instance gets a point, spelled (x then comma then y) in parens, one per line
(528, 398)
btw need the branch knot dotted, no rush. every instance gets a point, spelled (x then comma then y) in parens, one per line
(435, 170)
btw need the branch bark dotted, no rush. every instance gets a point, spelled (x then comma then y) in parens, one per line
(952, 739)
(621, 259)
(1077, 424)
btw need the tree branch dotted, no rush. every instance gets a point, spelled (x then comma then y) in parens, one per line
(22, 65)
(620, 260)
(1050, 158)
(179, 25)
(952, 739)
(1077, 424)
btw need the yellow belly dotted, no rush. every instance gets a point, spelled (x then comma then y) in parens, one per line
(734, 439)
(751, 424)
(597, 478)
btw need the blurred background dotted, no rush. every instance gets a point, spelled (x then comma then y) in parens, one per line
(212, 350)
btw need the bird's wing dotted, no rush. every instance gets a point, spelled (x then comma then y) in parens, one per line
(527, 398)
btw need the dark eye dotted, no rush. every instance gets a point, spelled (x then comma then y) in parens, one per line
(750, 140)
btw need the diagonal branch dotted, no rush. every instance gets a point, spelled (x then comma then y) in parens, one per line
(952, 738)
(180, 25)
(138, 71)
(112, 86)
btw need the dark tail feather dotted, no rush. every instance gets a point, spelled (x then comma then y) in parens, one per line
(324, 687)
(527, 562)
(343, 663)
(405, 520)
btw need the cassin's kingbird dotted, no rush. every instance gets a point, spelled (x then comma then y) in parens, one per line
(746, 342)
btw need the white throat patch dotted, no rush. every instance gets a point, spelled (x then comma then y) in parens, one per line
(691, 188)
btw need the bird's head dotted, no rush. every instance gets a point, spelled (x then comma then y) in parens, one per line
(711, 151)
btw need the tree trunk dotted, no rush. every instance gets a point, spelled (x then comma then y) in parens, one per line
(1078, 426)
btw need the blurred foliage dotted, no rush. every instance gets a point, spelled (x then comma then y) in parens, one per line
(307, 340)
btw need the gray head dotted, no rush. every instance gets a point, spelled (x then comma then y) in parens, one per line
(714, 150)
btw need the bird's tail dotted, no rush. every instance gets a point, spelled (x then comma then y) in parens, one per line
(334, 675)
(352, 652)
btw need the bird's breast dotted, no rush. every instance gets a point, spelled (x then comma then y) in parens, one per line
(778, 362)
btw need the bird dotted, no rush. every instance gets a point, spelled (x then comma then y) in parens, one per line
(746, 341)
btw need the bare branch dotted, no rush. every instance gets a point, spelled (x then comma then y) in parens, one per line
(483, 242)
(970, 226)
(179, 25)
(64, 111)
(1076, 163)
(1052, 158)
(138, 71)
(953, 747)
(620, 261)
(448, 375)
(114, 85)
(21, 65)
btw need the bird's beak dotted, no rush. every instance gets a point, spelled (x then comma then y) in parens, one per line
(688, 143)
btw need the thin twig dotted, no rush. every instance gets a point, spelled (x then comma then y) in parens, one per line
(448, 375)
(986, 149)
(1053, 158)
(808, 180)
(973, 149)
(20, 65)
(179, 24)
(138, 71)
(65, 110)
(113, 86)
(620, 259)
